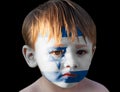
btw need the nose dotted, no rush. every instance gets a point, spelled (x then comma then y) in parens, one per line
(70, 61)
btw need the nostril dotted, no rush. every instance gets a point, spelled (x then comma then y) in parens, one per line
(75, 66)
(68, 66)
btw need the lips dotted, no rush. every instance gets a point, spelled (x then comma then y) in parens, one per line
(69, 75)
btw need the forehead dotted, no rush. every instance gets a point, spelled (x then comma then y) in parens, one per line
(64, 32)
(64, 41)
(42, 42)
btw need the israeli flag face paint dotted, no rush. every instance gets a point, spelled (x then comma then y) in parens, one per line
(65, 64)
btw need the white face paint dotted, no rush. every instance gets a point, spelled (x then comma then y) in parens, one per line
(63, 64)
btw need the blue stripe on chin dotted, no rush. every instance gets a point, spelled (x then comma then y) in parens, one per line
(57, 76)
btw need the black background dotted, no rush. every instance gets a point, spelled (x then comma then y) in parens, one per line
(103, 67)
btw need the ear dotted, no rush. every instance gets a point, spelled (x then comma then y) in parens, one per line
(28, 54)
(93, 49)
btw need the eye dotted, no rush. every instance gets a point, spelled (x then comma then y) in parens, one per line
(57, 53)
(81, 52)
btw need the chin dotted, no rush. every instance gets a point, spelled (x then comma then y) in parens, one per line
(65, 85)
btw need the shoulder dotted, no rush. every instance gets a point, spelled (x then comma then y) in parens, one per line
(93, 86)
(96, 86)
(31, 88)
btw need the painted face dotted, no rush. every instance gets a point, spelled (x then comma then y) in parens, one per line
(63, 64)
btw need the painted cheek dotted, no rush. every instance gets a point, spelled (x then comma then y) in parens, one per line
(55, 59)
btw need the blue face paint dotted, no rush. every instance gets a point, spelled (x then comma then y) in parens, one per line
(58, 59)
(64, 32)
(58, 77)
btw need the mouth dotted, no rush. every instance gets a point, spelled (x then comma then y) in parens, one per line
(69, 75)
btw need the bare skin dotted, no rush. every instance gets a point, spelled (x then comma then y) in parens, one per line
(86, 85)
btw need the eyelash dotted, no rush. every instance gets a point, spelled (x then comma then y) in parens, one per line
(57, 53)
(81, 52)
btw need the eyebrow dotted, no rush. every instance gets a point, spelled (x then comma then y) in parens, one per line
(80, 46)
(58, 45)
(57, 48)
(76, 46)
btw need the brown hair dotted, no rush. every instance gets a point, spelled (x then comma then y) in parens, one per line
(51, 16)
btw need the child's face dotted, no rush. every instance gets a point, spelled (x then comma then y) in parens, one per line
(63, 64)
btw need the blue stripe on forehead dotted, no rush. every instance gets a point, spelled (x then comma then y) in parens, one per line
(64, 32)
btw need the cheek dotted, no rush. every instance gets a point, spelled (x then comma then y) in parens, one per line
(44, 62)
(84, 62)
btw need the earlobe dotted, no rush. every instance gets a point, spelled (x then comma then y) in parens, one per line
(28, 54)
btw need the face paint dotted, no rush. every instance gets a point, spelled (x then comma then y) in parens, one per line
(57, 59)
(66, 65)
(64, 33)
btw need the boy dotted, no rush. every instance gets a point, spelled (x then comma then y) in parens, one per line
(60, 37)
